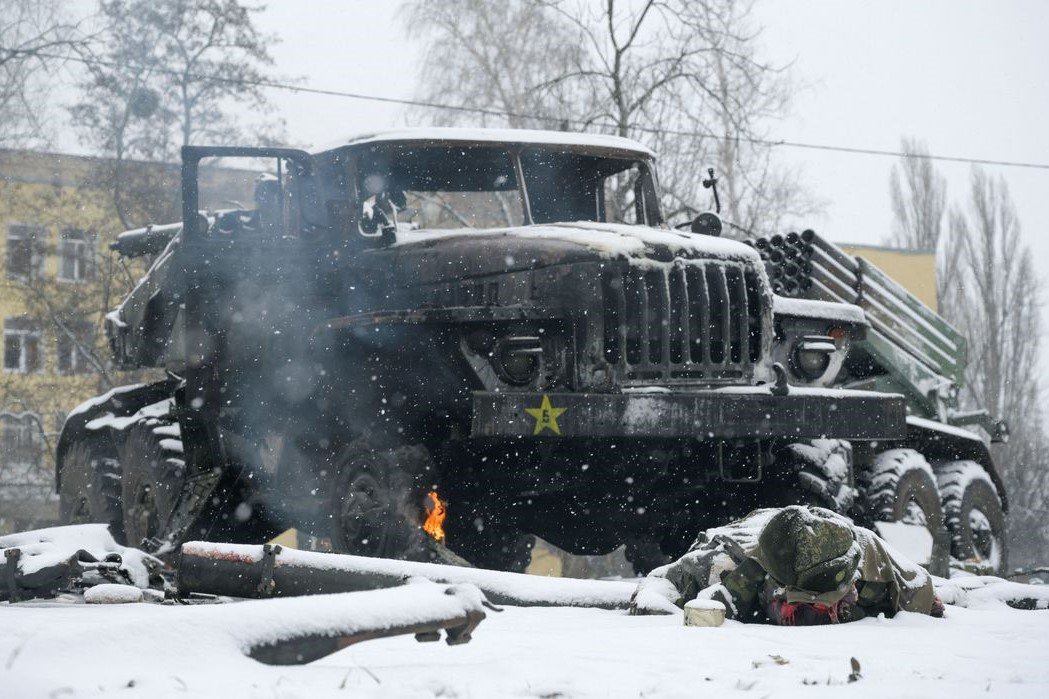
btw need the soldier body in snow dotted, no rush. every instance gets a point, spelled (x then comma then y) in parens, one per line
(797, 565)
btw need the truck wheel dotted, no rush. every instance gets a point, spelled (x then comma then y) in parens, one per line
(819, 472)
(90, 486)
(900, 486)
(974, 514)
(377, 504)
(154, 467)
(645, 555)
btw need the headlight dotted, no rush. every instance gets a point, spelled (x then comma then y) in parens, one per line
(811, 356)
(516, 359)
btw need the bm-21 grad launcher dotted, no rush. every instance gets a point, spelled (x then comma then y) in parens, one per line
(434, 344)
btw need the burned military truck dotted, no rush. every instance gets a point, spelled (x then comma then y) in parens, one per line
(494, 327)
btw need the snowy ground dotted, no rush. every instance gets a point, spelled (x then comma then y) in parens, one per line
(55, 649)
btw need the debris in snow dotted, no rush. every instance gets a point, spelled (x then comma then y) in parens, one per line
(855, 674)
(41, 562)
(704, 612)
(980, 591)
(239, 570)
(324, 624)
(112, 593)
(774, 657)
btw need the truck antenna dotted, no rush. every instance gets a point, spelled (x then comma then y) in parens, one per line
(712, 183)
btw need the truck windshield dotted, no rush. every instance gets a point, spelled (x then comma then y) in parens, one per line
(422, 186)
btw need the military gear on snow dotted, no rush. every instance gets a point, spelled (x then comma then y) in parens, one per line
(797, 565)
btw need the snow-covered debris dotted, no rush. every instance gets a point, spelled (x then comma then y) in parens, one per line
(43, 548)
(154, 642)
(981, 591)
(112, 593)
(291, 567)
(704, 612)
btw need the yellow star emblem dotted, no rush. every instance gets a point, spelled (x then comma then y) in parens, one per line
(546, 416)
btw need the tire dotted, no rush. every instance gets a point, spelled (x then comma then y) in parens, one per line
(975, 518)
(89, 490)
(899, 486)
(153, 466)
(816, 472)
(645, 555)
(377, 502)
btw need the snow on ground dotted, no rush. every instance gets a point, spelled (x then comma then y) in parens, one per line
(149, 650)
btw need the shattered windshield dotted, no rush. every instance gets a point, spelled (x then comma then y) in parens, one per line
(430, 187)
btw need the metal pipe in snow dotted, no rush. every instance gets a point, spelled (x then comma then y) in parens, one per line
(256, 571)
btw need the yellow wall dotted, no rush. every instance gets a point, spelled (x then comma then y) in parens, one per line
(56, 192)
(914, 269)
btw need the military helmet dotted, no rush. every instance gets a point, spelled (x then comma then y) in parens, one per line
(810, 549)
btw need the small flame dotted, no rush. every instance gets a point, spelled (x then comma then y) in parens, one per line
(434, 524)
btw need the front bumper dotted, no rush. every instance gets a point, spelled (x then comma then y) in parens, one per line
(731, 413)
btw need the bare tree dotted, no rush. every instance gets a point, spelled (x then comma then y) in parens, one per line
(492, 56)
(919, 199)
(995, 299)
(683, 77)
(168, 74)
(33, 36)
(919, 208)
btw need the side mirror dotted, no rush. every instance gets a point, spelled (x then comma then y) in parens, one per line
(707, 223)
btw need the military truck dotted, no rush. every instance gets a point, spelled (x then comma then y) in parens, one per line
(441, 343)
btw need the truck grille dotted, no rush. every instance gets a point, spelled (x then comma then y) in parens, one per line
(688, 320)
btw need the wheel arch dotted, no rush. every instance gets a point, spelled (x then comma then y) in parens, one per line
(122, 401)
(939, 442)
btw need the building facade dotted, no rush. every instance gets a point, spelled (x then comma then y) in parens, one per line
(58, 214)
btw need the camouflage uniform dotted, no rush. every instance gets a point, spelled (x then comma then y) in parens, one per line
(777, 561)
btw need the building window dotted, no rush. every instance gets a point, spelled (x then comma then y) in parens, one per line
(69, 350)
(21, 456)
(75, 255)
(25, 255)
(21, 347)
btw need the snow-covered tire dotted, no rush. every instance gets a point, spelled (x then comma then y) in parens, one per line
(153, 465)
(645, 555)
(899, 486)
(818, 472)
(378, 503)
(89, 490)
(975, 518)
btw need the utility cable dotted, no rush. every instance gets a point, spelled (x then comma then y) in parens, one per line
(752, 140)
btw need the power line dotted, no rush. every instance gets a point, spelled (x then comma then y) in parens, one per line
(766, 142)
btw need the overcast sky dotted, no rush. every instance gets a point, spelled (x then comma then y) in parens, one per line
(971, 78)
